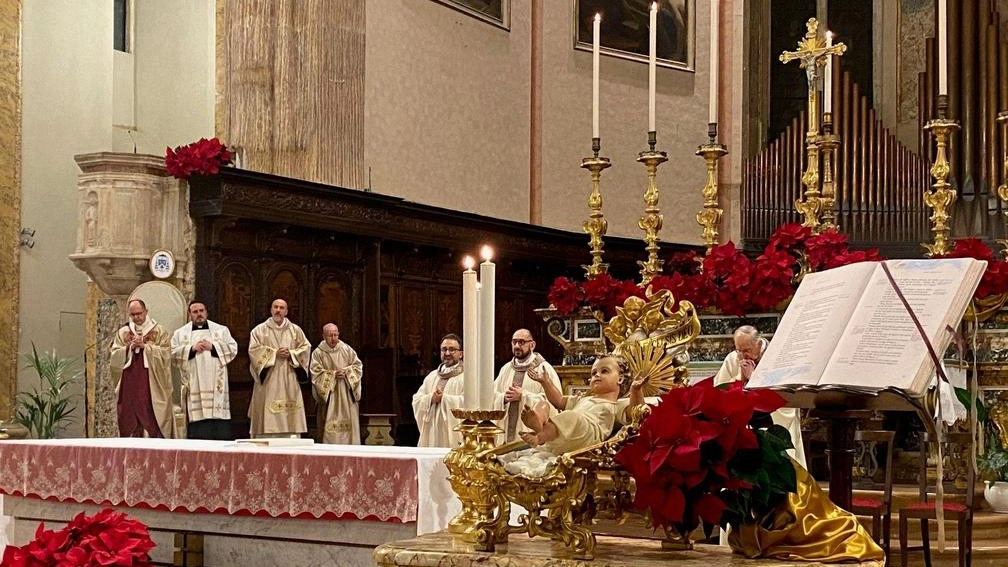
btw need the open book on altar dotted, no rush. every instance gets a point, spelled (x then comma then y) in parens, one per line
(848, 329)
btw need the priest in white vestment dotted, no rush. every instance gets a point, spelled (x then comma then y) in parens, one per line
(440, 393)
(279, 356)
(517, 386)
(336, 384)
(141, 370)
(202, 350)
(740, 364)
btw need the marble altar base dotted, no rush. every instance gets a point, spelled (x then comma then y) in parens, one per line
(227, 539)
(440, 550)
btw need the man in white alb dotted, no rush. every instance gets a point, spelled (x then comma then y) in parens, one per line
(512, 391)
(202, 349)
(440, 393)
(740, 364)
(278, 359)
(336, 382)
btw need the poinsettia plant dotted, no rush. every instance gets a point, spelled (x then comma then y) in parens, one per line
(726, 280)
(204, 157)
(698, 458)
(995, 279)
(106, 538)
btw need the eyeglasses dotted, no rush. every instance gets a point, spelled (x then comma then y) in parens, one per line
(521, 342)
(450, 349)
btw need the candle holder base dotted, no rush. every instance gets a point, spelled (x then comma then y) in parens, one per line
(467, 473)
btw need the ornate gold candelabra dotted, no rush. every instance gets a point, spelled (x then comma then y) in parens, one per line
(467, 474)
(710, 216)
(942, 197)
(651, 222)
(595, 225)
(812, 53)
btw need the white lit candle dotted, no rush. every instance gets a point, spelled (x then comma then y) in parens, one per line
(652, 58)
(828, 79)
(942, 48)
(470, 335)
(485, 375)
(596, 23)
(714, 32)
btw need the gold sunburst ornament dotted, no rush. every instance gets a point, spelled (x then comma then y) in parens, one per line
(655, 361)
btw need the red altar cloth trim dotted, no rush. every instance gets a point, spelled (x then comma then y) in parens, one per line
(164, 475)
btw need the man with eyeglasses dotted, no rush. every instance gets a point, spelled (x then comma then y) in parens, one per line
(441, 393)
(740, 364)
(512, 391)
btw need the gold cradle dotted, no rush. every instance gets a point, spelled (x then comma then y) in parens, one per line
(583, 484)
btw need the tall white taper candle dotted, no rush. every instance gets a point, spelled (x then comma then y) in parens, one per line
(652, 58)
(596, 23)
(715, 29)
(942, 47)
(828, 78)
(485, 375)
(470, 335)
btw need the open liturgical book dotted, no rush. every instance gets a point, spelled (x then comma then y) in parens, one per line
(847, 328)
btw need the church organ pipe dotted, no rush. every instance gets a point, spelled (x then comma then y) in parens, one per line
(991, 106)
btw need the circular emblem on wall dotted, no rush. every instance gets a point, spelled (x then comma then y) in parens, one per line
(162, 264)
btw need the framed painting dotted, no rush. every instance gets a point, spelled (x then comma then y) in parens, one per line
(496, 12)
(624, 29)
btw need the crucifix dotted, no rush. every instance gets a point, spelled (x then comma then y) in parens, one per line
(812, 53)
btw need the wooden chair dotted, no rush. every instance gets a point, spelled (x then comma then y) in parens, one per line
(870, 444)
(957, 450)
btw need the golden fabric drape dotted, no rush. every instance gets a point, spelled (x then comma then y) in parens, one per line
(808, 526)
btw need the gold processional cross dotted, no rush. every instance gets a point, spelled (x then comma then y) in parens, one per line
(813, 52)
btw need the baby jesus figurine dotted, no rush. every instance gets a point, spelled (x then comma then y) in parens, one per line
(583, 420)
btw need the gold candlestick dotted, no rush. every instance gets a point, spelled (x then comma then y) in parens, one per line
(1002, 119)
(467, 474)
(595, 225)
(942, 197)
(812, 53)
(651, 222)
(710, 216)
(828, 142)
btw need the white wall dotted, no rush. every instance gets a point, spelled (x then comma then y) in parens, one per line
(67, 74)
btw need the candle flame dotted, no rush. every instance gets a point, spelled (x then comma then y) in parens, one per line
(486, 253)
(468, 262)
(598, 17)
(654, 6)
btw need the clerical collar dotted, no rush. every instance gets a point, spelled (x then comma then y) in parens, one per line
(200, 326)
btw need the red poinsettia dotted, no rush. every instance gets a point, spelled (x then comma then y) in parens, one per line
(789, 237)
(107, 538)
(564, 295)
(204, 157)
(773, 273)
(823, 249)
(606, 292)
(694, 455)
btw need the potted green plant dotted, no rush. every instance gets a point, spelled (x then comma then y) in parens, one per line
(994, 467)
(47, 409)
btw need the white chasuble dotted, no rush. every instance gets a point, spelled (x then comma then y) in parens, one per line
(156, 358)
(277, 406)
(340, 396)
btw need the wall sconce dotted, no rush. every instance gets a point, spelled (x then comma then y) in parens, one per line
(27, 237)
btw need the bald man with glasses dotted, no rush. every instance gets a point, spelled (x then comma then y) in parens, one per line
(517, 383)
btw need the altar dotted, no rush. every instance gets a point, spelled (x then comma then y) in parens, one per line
(243, 503)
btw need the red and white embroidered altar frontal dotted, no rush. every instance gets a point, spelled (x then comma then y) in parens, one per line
(398, 484)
